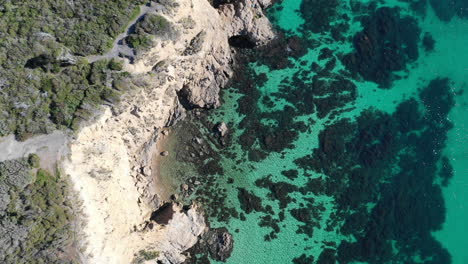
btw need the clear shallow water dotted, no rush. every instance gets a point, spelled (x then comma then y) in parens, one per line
(295, 217)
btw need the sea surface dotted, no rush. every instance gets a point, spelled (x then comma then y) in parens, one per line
(348, 138)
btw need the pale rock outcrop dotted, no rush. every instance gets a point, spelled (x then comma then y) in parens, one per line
(110, 160)
(253, 24)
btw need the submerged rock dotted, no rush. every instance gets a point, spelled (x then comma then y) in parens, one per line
(222, 129)
(220, 243)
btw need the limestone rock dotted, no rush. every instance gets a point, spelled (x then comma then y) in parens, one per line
(222, 129)
(253, 22)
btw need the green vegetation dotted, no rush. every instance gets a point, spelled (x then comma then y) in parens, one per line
(145, 255)
(169, 4)
(152, 26)
(34, 160)
(50, 100)
(116, 65)
(34, 215)
(45, 83)
(139, 42)
(85, 27)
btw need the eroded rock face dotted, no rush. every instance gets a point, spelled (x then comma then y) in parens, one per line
(217, 243)
(247, 18)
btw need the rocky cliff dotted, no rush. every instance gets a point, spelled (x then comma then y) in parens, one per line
(110, 160)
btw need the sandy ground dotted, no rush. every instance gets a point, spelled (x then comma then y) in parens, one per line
(163, 189)
(49, 147)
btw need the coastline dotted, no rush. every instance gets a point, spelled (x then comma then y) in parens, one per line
(111, 162)
(269, 203)
(201, 131)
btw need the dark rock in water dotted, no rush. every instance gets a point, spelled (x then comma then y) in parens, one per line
(220, 243)
(249, 202)
(303, 259)
(301, 214)
(216, 244)
(296, 47)
(325, 53)
(328, 256)
(212, 167)
(163, 214)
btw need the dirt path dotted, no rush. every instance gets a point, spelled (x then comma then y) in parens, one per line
(49, 147)
(119, 48)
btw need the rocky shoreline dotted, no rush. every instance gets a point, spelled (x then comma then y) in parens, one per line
(110, 159)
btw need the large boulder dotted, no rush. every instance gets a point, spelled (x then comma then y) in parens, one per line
(220, 243)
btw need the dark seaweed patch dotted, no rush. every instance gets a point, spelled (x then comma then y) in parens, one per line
(303, 259)
(290, 174)
(446, 171)
(384, 170)
(279, 191)
(428, 42)
(249, 202)
(328, 256)
(409, 203)
(446, 10)
(387, 43)
(318, 14)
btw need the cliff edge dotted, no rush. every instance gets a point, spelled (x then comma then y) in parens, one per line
(110, 160)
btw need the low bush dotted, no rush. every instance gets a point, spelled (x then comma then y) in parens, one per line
(35, 220)
(44, 81)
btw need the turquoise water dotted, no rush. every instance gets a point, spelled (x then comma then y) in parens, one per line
(356, 169)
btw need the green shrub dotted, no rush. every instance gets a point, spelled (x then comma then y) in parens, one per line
(154, 24)
(139, 42)
(149, 255)
(34, 160)
(42, 80)
(37, 219)
(115, 65)
(145, 255)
